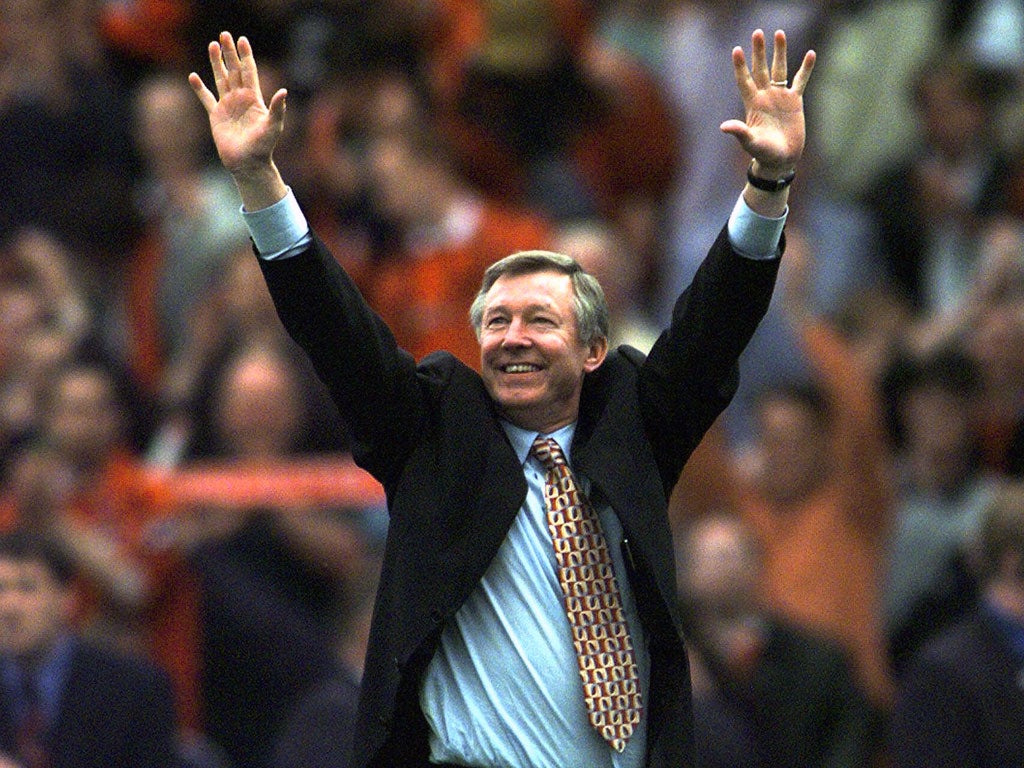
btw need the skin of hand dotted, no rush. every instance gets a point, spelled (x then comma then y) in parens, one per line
(245, 129)
(773, 131)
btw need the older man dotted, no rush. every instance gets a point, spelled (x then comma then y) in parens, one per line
(526, 613)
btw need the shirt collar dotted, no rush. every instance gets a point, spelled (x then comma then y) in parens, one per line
(522, 439)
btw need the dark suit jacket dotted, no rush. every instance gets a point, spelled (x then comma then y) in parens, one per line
(960, 704)
(113, 711)
(430, 434)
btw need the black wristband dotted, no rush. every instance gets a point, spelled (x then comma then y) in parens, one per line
(769, 185)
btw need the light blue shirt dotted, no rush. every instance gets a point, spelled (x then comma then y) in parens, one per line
(503, 688)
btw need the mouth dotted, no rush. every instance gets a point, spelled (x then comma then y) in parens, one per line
(519, 368)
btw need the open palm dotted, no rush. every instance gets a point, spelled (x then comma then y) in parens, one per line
(773, 131)
(245, 130)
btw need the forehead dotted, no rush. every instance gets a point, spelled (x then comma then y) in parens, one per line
(30, 570)
(548, 288)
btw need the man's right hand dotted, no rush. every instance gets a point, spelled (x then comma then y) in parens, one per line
(245, 129)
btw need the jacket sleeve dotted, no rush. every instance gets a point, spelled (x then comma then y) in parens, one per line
(692, 372)
(372, 381)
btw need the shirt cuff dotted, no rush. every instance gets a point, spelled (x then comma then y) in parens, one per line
(752, 235)
(279, 230)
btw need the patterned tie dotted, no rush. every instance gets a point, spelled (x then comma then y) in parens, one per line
(604, 649)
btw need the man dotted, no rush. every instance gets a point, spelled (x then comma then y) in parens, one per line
(63, 702)
(470, 660)
(961, 700)
(776, 694)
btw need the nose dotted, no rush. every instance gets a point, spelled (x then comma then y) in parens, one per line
(516, 334)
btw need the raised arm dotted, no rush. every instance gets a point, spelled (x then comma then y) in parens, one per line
(773, 131)
(245, 129)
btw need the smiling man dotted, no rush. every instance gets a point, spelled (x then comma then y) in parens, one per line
(527, 608)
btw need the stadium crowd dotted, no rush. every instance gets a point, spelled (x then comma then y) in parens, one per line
(850, 533)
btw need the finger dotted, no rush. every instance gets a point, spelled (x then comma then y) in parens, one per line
(758, 59)
(779, 58)
(206, 98)
(220, 74)
(743, 80)
(250, 76)
(231, 60)
(804, 73)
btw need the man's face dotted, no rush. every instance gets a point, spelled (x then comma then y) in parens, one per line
(85, 420)
(794, 447)
(34, 608)
(532, 359)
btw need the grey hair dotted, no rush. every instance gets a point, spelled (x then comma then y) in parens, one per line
(589, 306)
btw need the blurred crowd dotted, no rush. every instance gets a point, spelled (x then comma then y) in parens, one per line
(849, 527)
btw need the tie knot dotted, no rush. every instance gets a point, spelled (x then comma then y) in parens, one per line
(548, 452)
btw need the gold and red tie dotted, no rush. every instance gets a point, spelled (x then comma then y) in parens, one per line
(593, 605)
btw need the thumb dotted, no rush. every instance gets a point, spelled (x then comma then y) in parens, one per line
(736, 128)
(277, 106)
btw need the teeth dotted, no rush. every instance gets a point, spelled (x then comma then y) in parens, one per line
(520, 368)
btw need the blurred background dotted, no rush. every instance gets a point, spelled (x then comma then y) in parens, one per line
(157, 424)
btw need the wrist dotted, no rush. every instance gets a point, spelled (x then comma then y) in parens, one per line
(769, 179)
(260, 186)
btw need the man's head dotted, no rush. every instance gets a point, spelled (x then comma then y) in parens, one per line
(935, 406)
(719, 573)
(542, 323)
(36, 597)
(719, 567)
(794, 431)
(259, 410)
(85, 413)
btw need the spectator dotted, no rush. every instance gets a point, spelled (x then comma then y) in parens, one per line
(450, 234)
(929, 208)
(271, 579)
(544, 112)
(331, 166)
(234, 314)
(944, 488)
(818, 491)
(47, 319)
(67, 163)
(185, 202)
(994, 339)
(883, 43)
(65, 702)
(961, 700)
(769, 693)
(602, 250)
(81, 483)
(319, 731)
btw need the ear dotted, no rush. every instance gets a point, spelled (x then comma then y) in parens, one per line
(596, 353)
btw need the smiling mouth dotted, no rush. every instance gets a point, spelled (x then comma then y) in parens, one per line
(519, 368)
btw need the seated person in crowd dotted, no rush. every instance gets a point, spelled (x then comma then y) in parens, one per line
(767, 692)
(64, 702)
(961, 700)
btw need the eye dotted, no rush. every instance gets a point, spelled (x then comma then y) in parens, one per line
(497, 321)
